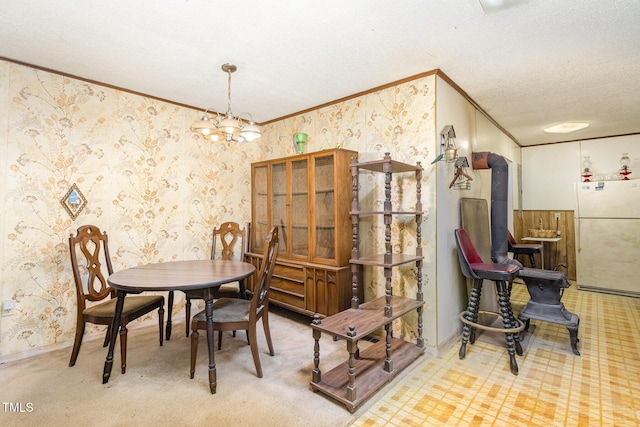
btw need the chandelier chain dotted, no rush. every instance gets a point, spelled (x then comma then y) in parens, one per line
(229, 93)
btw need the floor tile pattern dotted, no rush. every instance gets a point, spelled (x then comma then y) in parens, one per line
(601, 387)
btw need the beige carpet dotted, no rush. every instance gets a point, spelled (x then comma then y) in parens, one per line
(157, 390)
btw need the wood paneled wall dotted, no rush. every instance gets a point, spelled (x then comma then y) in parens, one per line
(562, 252)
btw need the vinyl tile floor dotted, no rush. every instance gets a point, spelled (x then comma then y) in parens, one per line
(601, 387)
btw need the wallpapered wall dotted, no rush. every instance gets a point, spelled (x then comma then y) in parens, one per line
(157, 188)
(399, 120)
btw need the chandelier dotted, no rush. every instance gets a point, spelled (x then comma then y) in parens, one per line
(227, 127)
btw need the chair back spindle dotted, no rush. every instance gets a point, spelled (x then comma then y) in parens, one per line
(260, 299)
(229, 240)
(91, 284)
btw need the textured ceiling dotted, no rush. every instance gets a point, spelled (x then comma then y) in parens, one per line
(539, 63)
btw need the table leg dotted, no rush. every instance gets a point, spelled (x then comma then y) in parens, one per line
(243, 289)
(170, 305)
(208, 309)
(115, 326)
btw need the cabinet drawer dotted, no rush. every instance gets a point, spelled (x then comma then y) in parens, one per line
(289, 286)
(292, 300)
(291, 272)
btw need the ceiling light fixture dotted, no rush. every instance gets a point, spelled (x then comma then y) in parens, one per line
(566, 127)
(230, 127)
(493, 6)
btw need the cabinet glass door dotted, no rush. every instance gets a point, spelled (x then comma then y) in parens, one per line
(279, 203)
(300, 207)
(324, 207)
(260, 207)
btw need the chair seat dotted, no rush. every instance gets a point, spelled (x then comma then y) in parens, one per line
(131, 304)
(527, 248)
(234, 286)
(227, 310)
(229, 290)
(490, 271)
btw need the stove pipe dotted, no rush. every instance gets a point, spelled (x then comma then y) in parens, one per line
(499, 206)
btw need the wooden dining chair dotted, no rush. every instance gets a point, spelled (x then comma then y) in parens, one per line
(96, 299)
(230, 314)
(229, 242)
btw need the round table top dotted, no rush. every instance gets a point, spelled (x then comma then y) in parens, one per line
(180, 275)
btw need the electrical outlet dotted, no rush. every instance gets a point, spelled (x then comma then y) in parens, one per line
(7, 307)
(557, 216)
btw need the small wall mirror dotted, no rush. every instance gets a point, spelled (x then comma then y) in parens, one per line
(74, 201)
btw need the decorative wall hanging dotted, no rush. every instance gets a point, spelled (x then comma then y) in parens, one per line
(622, 174)
(461, 180)
(448, 143)
(625, 161)
(74, 201)
(586, 169)
(448, 149)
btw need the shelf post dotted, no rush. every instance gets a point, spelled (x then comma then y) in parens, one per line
(352, 347)
(388, 291)
(355, 219)
(388, 362)
(317, 375)
(419, 293)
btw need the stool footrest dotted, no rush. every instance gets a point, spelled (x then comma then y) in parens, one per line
(492, 328)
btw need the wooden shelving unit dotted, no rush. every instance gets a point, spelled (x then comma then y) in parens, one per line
(355, 380)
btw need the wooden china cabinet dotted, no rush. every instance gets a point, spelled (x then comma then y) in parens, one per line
(308, 197)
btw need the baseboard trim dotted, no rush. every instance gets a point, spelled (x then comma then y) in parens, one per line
(610, 291)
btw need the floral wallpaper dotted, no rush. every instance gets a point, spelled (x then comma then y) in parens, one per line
(399, 120)
(158, 189)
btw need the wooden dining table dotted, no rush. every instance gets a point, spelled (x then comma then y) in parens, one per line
(204, 275)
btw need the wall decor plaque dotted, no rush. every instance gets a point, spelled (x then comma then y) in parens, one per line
(74, 201)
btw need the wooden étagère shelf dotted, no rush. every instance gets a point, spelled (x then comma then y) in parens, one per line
(358, 378)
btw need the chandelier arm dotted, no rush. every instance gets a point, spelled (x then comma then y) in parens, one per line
(249, 120)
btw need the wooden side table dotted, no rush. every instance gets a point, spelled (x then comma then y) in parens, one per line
(544, 241)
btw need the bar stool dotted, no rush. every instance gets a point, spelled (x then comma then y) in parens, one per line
(529, 249)
(476, 269)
